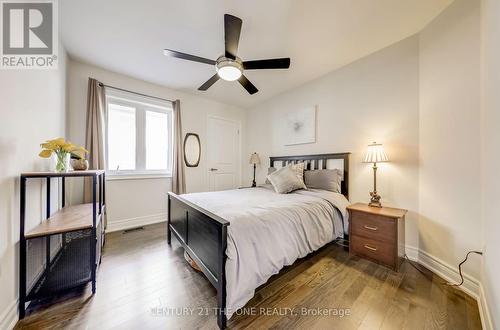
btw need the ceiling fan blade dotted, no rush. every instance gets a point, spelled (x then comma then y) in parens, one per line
(251, 89)
(275, 63)
(232, 29)
(209, 82)
(173, 53)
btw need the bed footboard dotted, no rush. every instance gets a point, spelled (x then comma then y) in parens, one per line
(204, 236)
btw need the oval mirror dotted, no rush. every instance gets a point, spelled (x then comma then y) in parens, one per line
(192, 150)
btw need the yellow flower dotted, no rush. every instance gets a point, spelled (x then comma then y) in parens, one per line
(60, 145)
(45, 153)
(58, 141)
(80, 153)
(48, 145)
(68, 147)
(53, 144)
(82, 149)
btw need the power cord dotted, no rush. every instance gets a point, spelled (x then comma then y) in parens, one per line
(342, 242)
(459, 268)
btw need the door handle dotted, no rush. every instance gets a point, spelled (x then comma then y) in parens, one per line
(213, 169)
(371, 228)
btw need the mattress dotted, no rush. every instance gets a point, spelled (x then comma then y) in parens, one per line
(268, 231)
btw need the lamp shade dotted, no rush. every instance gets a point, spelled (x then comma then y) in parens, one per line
(375, 154)
(254, 159)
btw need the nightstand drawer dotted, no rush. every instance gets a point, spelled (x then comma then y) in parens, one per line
(379, 251)
(373, 226)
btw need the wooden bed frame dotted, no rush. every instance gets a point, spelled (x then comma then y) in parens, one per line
(204, 234)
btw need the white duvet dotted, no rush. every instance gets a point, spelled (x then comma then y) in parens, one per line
(268, 231)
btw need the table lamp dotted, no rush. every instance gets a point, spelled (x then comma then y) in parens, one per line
(254, 160)
(375, 154)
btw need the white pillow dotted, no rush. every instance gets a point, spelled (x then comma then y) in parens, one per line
(285, 180)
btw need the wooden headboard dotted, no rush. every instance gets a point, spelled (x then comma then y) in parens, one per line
(323, 161)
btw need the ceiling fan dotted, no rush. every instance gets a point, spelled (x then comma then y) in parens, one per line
(228, 66)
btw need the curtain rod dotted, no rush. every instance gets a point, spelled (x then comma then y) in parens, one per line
(129, 91)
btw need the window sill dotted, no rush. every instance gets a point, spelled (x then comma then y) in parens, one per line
(138, 176)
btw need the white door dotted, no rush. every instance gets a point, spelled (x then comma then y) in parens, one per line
(223, 153)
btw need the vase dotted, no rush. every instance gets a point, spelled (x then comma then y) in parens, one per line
(62, 162)
(79, 164)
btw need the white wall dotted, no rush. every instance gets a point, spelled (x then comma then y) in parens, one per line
(373, 99)
(33, 107)
(449, 187)
(490, 156)
(125, 206)
(421, 98)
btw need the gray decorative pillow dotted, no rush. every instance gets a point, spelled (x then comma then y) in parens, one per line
(323, 179)
(285, 180)
(269, 171)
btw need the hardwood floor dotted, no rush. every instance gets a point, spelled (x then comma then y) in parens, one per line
(144, 284)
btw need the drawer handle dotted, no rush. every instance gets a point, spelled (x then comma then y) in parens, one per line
(370, 247)
(371, 228)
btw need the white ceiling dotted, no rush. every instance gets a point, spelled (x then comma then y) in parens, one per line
(128, 36)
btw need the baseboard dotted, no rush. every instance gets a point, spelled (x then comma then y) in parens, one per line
(484, 310)
(444, 270)
(411, 253)
(471, 286)
(9, 317)
(117, 225)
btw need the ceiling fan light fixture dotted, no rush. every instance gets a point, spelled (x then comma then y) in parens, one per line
(229, 70)
(229, 73)
(228, 66)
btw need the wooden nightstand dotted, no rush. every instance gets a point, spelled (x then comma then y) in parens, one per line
(377, 234)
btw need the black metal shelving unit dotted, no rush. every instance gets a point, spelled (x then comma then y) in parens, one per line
(64, 250)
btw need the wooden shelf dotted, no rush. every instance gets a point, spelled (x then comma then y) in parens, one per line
(61, 174)
(69, 218)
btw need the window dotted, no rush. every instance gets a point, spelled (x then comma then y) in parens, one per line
(121, 137)
(156, 139)
(139, 134)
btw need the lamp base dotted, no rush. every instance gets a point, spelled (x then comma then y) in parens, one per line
(375, 199)
(254, 184)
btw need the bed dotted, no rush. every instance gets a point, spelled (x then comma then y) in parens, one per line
(240, 238)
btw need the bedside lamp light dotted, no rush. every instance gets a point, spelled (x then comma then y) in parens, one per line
(375, 154)
(254, 160)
